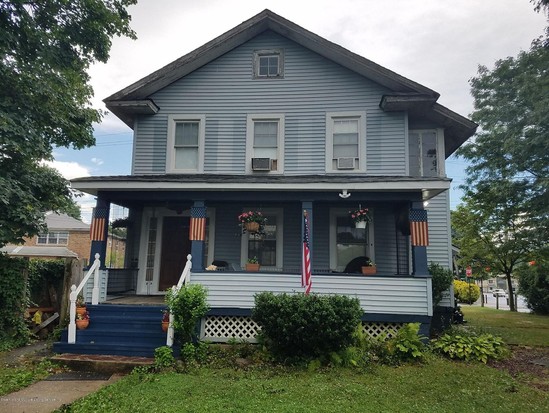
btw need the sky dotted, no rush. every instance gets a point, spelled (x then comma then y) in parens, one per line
(437, 43)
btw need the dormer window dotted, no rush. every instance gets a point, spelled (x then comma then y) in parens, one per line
(268, 64)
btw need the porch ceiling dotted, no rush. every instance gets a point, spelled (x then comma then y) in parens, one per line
(308, 185)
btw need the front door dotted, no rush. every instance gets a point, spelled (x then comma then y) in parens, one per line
(175, 248)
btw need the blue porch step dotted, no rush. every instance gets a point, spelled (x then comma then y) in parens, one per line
(124, 330)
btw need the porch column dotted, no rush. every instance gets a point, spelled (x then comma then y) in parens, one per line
(197, 234)
(99, 230)
(419, 231)
(307, 206)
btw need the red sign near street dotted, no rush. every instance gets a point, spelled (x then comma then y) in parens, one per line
(468, 271)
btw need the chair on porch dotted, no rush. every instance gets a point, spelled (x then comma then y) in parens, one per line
(356, 264)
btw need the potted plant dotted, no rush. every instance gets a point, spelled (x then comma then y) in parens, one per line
(165, 320)
(82, 320)
(80, 305)
(252, 264)
(370, 268)
(252, 222)
(361, 217)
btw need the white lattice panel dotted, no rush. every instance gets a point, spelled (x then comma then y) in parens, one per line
(376, 330)
(220, 329)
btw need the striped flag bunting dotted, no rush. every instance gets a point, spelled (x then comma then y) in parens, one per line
(419, 230)
(306, 280)
(197, 230)
(98, 225)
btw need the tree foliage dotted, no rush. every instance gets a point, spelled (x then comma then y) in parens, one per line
(506, 216)
(45, 51)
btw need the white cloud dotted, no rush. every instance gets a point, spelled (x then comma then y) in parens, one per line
(97, 161)
(69, 170)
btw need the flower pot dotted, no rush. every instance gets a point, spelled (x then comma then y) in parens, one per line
(251, 227)
(165, 325)
(80, 310)
(82, 324)
(369, 270)
(252, 267)
(360, 224)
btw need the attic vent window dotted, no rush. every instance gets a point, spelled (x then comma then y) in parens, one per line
(268, 64)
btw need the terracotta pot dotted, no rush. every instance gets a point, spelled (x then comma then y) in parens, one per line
(360, 224)
(80, 310)
(165, 325)
(82, 324)
(252, 267)
(370, 270)
(251, 227)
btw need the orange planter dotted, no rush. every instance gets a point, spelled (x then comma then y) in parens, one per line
(251, 227)
(369, 270)
(82, 324)
(165, 325)
(80, 310)
(252, 267)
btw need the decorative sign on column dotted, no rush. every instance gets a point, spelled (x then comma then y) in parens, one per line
(197, 231)
(419, 230)
(97, 228)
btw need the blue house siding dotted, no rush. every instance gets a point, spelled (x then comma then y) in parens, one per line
(226, 93)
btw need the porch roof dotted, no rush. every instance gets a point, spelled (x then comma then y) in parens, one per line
(428, 187)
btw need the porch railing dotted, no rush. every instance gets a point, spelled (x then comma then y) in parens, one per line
(184, 279)
(94, 269)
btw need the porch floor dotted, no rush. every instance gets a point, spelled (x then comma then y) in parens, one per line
(136, 299)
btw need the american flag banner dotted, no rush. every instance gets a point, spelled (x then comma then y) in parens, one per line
(306, 281)
(99, 221)
(419, 230)
(197, 230)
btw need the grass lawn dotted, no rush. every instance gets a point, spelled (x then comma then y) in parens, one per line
(13, 378)
(515, 328)
(437, 386)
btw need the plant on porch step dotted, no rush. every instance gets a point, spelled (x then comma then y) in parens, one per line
(252, 222)
(188, 306)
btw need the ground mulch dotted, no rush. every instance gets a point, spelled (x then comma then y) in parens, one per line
(529, 364)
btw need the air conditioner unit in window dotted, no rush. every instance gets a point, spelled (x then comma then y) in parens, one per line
(345, 163)
(261, 164)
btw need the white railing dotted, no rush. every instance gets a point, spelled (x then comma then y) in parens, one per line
(184, 279)
(94, 269)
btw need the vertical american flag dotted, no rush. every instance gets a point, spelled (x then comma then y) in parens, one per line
(97, 228)
(306, 264)
(419, 230)
(197, 230)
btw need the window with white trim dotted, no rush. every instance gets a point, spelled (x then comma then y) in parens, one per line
(268, 64)
(185, 151)
(266, 247)
(423, 153)
(345, 141)
(348, 242)
(53, 238)
(265, 143)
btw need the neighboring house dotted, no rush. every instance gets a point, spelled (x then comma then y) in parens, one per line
(273, 118)
(65, 237)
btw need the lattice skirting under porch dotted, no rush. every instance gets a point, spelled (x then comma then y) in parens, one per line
(221, 329)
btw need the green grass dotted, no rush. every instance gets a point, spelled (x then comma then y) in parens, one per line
(438, 386)
(13, 378)
(515, 328)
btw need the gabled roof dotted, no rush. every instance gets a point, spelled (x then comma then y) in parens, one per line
(55, 222)
(135, 99)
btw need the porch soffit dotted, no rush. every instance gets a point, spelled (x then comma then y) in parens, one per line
(254, 183)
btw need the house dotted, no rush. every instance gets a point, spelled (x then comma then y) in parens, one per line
(66, 237)
(270, 117)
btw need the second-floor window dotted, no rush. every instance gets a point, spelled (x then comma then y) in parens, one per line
(265, 143)
(423, 150)
(345, 137)
(268, 64)
(185, 151)
(53, 238)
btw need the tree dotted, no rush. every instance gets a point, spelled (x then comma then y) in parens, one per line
(45, 51)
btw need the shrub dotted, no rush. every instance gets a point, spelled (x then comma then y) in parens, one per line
(44, 274)
(441, 281)
(534, 286)
(163, 357)
(407, 344)
(306, 326)
(188, 306)
(13, 302)
(468, 346)
(466, 292)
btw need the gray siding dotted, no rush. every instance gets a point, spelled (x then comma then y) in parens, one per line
(225, 93)
(377, 295)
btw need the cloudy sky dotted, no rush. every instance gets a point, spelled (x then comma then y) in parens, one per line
(436, 43)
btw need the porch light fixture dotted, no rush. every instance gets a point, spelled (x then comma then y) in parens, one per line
(344, 194)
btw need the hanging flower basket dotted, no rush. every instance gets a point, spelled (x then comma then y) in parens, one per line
(251, 227)
(361, 217)
(252, 222)
(360, 224)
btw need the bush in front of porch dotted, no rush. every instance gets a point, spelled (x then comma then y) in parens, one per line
(306, 326)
